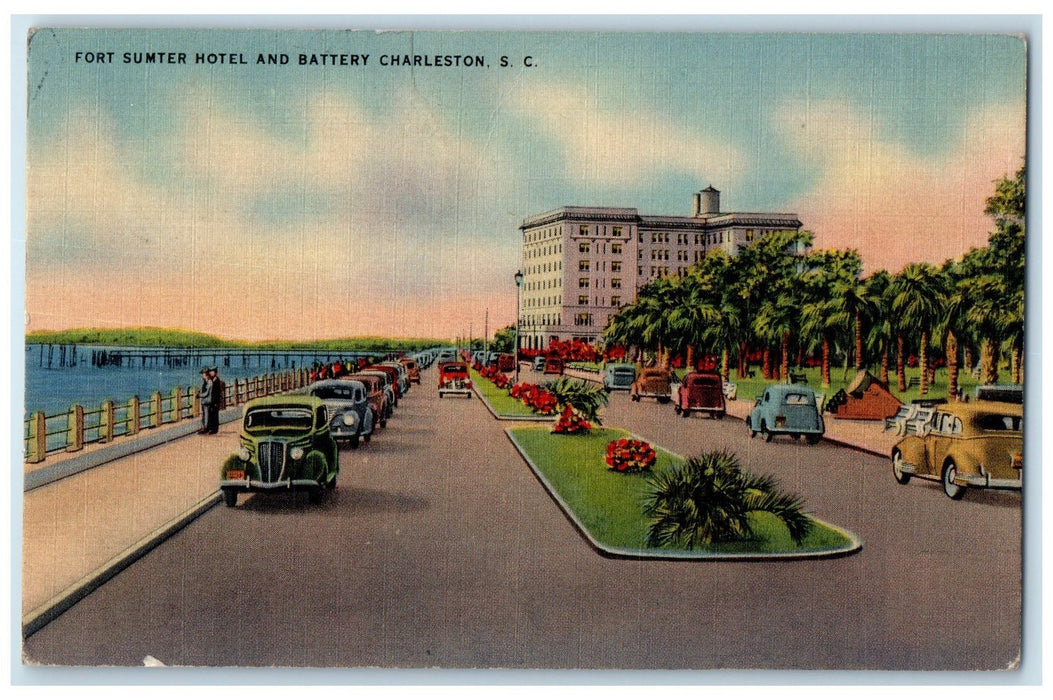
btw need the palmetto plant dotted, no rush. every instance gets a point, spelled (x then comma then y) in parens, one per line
(708, 499)
(585, 398)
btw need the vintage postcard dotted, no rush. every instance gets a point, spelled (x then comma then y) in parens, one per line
(524, 350)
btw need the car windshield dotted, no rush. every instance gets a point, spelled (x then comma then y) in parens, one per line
(278, 417)
(622, 370)
(796, 400)
(334, 392)
(455, 369)
(704, 381)
(997, 421)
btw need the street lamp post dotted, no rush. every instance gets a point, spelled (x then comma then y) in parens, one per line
(519, 295)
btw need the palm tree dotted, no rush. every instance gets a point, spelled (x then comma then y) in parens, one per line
(709, 499)
(880, 333)
(822, 320)
(919, 304)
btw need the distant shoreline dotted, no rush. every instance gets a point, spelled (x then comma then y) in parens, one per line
(177, 338)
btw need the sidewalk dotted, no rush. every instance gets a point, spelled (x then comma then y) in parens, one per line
(109, 505)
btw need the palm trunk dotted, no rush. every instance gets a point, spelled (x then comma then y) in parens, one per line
(901, 375)
(884, 365)
(766, 363)
(725, 365)
(970, 361)
(826, 362)
(952, 366)
(923, 362)
(690, 361)
(784, 367)
(988, 362)
(859, 340)
(744, 360)
(1018, 366)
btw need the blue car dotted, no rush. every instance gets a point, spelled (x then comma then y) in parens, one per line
(351, 418)
(616, 377)
(786, 409)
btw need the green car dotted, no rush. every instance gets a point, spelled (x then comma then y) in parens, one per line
(285, 446)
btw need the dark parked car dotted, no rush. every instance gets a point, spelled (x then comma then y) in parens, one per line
(701, 391)
(788, 409)
(286, 445)
(554, 365)
(350, 415)
(375, 395)
(506, 362)
(539, 363)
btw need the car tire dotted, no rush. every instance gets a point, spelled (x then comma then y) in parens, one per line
(368, 437)
(230, 497)
(795, 436)
(749, 428)
(314, 495)
(765, 432)
(813, 439)
(663, 399)
(676, 409)
(953, 490)
(354, 442)
(635, 397)
(897, 468)
(718, 415)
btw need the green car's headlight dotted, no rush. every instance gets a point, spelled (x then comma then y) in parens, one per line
(296, 453)
(244, 455)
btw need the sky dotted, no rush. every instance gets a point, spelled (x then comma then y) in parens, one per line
(259, 202)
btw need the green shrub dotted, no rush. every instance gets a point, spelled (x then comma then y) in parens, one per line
(708, 499)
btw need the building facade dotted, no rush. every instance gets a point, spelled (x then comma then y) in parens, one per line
(581, 264)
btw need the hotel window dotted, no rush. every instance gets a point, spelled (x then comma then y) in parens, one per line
(617, 230)
(583, 247)
(749, 234)
(616, 248)
(616, 266)
(583, 283)
(583, 299)
(583, 230)
(583, 265)
(616, 300)
(616, 283)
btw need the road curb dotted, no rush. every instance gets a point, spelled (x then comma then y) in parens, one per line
(856, 544)
(37, 619)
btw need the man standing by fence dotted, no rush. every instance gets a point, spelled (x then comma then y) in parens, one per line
(205, 398)
(216, 400)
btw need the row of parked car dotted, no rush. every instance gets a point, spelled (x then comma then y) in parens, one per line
(291, 441)
(962, 445)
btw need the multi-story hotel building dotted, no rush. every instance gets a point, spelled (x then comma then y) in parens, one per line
(581, 264)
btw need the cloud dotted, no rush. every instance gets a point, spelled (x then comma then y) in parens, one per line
(893, 204)
(621, 143)
(355, 226)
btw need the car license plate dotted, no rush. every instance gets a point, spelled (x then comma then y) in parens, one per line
(236, 474)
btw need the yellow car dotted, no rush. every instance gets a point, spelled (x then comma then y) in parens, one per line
(964, 445)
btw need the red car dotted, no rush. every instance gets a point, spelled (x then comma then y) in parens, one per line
(393, 374)
(375, 396)
(701, 391)
(554, 365)
(506, 362)
(454, 379)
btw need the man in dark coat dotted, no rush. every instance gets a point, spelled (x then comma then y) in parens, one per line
(205, 397)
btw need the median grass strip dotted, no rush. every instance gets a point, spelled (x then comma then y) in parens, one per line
(503, 405)
(608, 506)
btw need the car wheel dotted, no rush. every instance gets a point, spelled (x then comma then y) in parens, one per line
(765, 432)
(686, 413)
(368, 437)
(230, 497)
(749, 428)
(676, 409)
(813, 439)
(795, 436)
(354, 442)
(953, 490)
(718, 416)
(663, 399)
(635, 397)
(314, 495)
(897, 468)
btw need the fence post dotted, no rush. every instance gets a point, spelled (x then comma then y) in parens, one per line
(195, 403)
(106, 421)
(155, 410)
(177, 404)
(37, 448)
(133, 416)
(255, 386)
(75, 437)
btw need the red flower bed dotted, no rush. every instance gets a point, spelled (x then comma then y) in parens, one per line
(500, 379)
(570, 423)
(626, 455)
(534, 397)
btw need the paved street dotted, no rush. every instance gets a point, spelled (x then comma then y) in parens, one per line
(440, 549)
